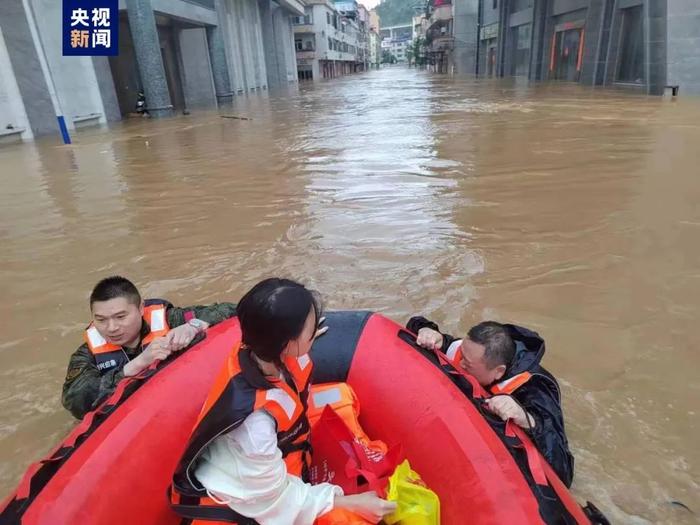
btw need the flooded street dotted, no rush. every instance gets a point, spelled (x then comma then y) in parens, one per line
(570, 211)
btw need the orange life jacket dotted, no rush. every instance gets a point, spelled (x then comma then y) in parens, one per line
(507, 386)
(341, 398)
(238, 391)
(108, 355)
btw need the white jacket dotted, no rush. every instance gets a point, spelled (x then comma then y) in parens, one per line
(244, 469)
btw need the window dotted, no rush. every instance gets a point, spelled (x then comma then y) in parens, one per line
(297, 44)
(307, 19)
(495, 4)
(330, 44)
(630, 62)
(519, 5)
(328, 18)
(309, 45)
(521, 35)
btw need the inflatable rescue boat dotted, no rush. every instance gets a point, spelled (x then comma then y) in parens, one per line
(115, 467)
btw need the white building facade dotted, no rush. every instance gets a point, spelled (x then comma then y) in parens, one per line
(327, 44)
(396, 40)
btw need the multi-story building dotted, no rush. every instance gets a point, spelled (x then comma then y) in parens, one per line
(375, 39)
(437, 26)
(375, 50)
(396, 40)
(636, 44)
(182, 54)
(419, 25)
(374, 21)
(327, 42)
(644, 45)
(363, 37)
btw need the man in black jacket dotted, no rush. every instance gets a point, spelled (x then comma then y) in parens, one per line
(505, 359)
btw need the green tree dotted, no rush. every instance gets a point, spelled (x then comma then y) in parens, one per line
(417, 50)
(388, 57)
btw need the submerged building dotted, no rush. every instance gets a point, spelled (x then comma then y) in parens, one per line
(639, 44)
(181, 54)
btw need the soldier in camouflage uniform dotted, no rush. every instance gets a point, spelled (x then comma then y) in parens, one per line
(126, 336)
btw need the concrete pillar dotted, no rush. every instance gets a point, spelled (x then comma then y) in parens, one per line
(257, 46)
(144, 32)
(74, 79)
(683, 43)
(284, 32)
(26, 65)
(539, 18)
(12, 110)
(466, 33)
(656, 30)
(246, 26)
(219, 66)
(549, 27)
(503, 37)
(239, 40)
(267, 26)
(230, 13)
(604, 42)
(595, 27)
(278, 43)
(105, 82)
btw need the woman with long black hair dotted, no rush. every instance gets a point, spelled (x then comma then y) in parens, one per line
(249, 453)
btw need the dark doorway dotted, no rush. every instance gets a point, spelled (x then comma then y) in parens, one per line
(566, 55)
(520, 38)
(492, 53)
(630, 63)
(305, 74)
(125, 73)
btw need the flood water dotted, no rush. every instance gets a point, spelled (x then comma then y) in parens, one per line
(570, 211)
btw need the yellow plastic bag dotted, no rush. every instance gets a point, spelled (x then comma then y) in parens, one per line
(417, 504)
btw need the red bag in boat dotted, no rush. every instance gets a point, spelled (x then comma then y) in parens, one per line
(340, 458)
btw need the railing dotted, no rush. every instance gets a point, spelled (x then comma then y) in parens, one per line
(442, 43)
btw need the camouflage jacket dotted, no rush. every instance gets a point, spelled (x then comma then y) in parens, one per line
(85, 386)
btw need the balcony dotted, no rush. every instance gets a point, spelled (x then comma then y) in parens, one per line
(440, 16)
(306, 54)
(303, 29)
(441, 44)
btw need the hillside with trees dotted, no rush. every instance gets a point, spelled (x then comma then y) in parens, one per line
(397, 12)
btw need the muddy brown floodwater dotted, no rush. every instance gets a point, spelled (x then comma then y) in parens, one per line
(571, 211)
